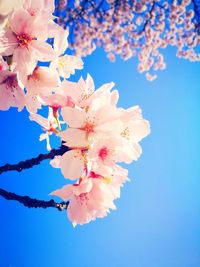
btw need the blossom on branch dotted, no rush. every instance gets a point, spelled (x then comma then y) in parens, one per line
(133, 28)
(99, 135)
(95, 134)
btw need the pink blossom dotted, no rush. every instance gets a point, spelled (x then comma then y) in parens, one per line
(42, 8)
(55, 162)
(134, 130)
(73, 164)
(42, 77)
(49, 125)
(20, 40)
(56, 101)
(11, 94)
(83, 93)
(85, 126)
(151, 77)
(66, 65)
(133, 28)
(41, 83)
(107, 151)
(90, 199)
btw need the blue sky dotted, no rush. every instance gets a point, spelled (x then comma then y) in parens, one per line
(158, 216)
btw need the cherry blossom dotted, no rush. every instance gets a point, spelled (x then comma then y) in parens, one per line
(86, 126)
(89, 200)
(49, 125)
(95, 134)
(41, 83)
(11, 94)
(42, 8)
(133, 28)
(65, 64)
(83, 93)
(99, 135)
(20, 40)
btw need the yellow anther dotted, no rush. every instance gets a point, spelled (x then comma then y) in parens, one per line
(107, 180)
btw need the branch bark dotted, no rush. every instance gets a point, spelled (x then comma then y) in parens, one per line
(26, 164)
(32, 202)
(29, 163)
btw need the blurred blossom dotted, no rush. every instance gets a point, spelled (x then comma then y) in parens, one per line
(131, 28)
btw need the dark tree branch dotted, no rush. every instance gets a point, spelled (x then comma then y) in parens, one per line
(149, 19)
(27, 164)
(33, 203)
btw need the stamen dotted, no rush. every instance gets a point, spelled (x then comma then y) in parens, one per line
(103, 153)
(89, 127)
(24, 40)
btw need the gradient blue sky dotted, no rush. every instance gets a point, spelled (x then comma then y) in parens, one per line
(157, 223)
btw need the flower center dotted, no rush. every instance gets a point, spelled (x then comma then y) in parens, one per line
(63, 62)
(89, 127)
(126, 133)
(103, 153)
(83, 198)
(35, 76)
(11, 82)
(24, 40)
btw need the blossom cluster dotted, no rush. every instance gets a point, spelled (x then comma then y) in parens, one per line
(133, 28)
(23, 43)
(97, 134)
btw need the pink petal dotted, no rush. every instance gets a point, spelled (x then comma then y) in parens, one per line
(74, 137)
(72, 164)
(78, 213)
(24, 62)
(90, 83)
(139, 129)
(73, 117)
(32, 103)
(8, 43)
(55, 162)
(43, 51)
(40, 120)
(65, 192)
(21, 22)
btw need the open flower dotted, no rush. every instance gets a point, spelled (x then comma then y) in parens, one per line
(40, 8)
(65, 64)
(85, 126)
(135, 128)
(11, 94)
(90, 199)
(39, 84)
(20, 40)
(73, 164)
(83, 93)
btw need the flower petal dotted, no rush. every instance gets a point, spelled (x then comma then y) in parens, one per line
(73, 117)
(65, 192)
(74, 137)
(42, 50)
(72, 164)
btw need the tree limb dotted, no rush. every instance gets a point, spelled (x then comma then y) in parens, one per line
(32, 202)
(29, 163)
